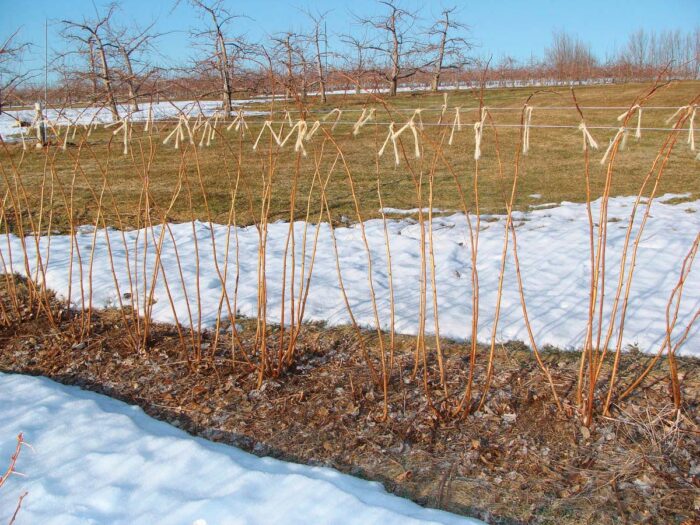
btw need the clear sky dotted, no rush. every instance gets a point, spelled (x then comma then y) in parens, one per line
(519, 28)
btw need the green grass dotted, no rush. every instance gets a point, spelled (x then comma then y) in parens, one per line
(554, 168)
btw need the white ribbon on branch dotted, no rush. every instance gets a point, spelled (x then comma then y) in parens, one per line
(209, 131)
(207, 134)
(65, 137)
(302, 130)
(90, 128)
(239, 123)
(38, 122)
(526, 129)
(390, 137)
(186, 124)
(335, 111)
(197, 124)
(365, 117)
(625, 136)
(620, 132)
(690, 110)
(267, 125)
(630, 111)
(478, 131)
(443, 109)
(417, 113)
(126, 129)
(179, 132)
(394, 135)
(691, 127)
(588, 140)
(149, 118)
(301, 127)
(678, 111)
(311, 132)
(456, 126)
(212, 130)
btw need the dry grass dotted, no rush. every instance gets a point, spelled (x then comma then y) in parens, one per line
(553, 169)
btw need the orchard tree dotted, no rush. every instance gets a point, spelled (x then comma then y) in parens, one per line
(317, 33)
(93, 35)
(11, 75)
(569, 57)
(221, 49)
(131, 47)
(449, 48)
(358, 62)
(396, 42)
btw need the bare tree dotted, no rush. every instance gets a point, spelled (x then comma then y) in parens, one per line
(637, 50)
(694, 44)
(569, 57)
(319, 57)
(394, 42)
(130, 47)
(94, 32)
(647, 53)
(300, 52)
(291, 55)
(265, 60)
(11, 75)
(506, 69)
(219, 17)
(285, 52)
(449, 49)
(358, 63)
(92, 60)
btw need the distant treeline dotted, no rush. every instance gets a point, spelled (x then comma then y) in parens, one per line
(115, 65)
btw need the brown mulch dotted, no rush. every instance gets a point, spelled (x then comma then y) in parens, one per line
(517, 461)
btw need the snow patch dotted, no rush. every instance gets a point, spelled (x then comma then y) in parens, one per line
(102, 115)
(411, 211)
(553, 249)
(97, 460)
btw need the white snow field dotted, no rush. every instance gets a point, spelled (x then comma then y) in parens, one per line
(102, 115)
(553, 246)
(96, 460)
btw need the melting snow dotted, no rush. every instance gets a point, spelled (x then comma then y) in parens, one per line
(553, 248)
(102, 115)
(97, 460)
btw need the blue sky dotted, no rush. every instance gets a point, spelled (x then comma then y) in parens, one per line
(506, 27)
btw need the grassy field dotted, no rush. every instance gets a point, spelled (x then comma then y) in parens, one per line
(553, 169)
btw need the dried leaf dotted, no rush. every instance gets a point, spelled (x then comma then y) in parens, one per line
(404, 476)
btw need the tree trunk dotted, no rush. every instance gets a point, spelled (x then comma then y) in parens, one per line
(290, 73)
(304, 88)
(107, 81)
(435, 83)
(226, 80)
(93, 69)
(395, 58)
(319, 68)
(130, 81)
